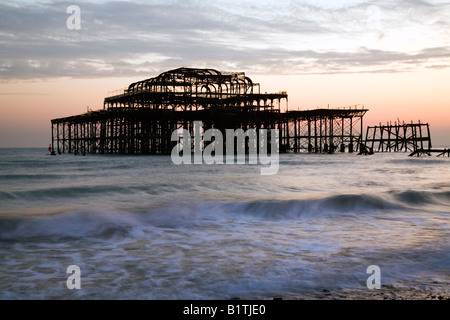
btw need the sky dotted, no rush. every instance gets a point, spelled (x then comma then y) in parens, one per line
(392, 57)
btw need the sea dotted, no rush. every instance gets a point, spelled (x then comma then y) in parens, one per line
(141, 227)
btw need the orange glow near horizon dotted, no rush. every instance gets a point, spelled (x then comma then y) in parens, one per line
(406, 96)
(28, 106)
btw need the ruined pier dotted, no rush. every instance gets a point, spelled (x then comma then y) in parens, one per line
(140, 119)
(398, 137)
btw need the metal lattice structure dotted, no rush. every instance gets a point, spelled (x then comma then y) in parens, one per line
(324, 130)
(188, 89)
(141, 118)
(398, 137)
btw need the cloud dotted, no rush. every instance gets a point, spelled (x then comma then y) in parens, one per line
(143, 38)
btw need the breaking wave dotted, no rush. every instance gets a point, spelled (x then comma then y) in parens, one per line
(108, 222)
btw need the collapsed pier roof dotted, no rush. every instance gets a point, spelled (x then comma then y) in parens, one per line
(187, 89)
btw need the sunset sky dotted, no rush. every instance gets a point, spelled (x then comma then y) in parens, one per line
(393, 57)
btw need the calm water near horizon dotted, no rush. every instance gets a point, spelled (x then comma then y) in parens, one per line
(140, 227)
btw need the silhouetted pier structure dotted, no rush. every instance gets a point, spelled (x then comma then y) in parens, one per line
(407, 137)
(324, 130)
(141, 118)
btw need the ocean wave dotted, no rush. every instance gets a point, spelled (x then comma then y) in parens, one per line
(74, 225)
(413, 197)
(80, 190)
(106, 222)
(111, 222)
(328, 207)
(58, 192)
(28, 177)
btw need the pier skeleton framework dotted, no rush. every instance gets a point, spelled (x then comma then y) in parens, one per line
(324, 130)
(189, 89)
(399, 137)
(141, 118)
